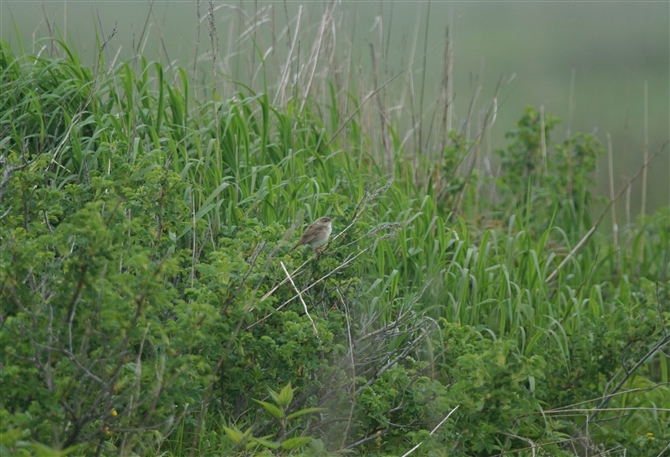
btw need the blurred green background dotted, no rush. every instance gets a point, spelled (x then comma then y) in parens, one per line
(611, 48)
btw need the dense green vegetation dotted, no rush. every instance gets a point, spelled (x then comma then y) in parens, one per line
(143, 220)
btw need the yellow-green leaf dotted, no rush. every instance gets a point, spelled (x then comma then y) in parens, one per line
(286, 396)
(272, 409)
(236, 434)
(294, 443)
(266, 443)
(302, 412)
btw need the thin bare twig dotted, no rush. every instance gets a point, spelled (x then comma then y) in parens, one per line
(288, 276)
(364, 440)
(663, 451)
(353, 371)
(432, 432)
(622, 392)
(662, 342)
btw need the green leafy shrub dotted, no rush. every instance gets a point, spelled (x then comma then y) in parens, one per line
(548, 186)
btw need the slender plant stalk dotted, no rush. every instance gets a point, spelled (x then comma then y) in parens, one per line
(643, 206)
(615, 226)
(602, 214)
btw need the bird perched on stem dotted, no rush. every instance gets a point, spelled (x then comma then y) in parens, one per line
(316, 234)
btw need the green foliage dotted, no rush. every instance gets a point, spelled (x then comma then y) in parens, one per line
(548, 186)
(140, 227)
(496, 386)
(278, 410)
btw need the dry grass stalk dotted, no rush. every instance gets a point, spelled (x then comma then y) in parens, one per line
(602, 215)
(615, 227)
(643, 207)
(353, 370)
(387, 154)
(432, 431)
(446, 95)
(662, 342)
(489, 116)
(288, 276)
(423, 81)
(543, 139)
(326, 18)
(283, 81)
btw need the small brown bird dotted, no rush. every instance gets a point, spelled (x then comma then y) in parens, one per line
(316, 234)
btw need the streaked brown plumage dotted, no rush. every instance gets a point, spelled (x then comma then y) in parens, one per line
(316, 234)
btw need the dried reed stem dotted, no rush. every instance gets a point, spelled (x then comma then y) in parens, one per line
(316, 51)
(643, 207)
(615, 227)
(283, 81)
(602, 214)
(423, 81)
(571, 104)
(387, 155)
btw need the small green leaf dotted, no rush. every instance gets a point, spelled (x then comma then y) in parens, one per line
(266, 443)
(236, 434)
(302, 412)
(317, 445)
(10, 437)
(272, 409)
(286, 396)
(294, 443)
(275, 396)
(40, 450)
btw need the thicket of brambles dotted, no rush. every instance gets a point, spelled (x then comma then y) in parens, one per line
(145, 226)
